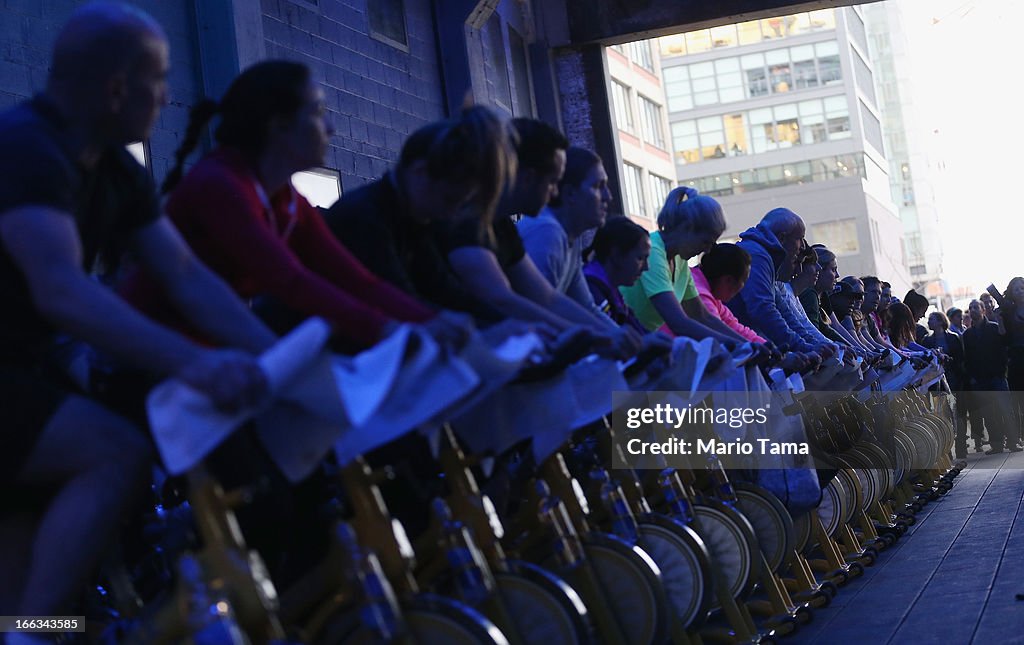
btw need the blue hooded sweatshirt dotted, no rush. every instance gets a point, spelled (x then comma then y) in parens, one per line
(755, 306)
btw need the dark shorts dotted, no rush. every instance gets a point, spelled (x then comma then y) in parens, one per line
(28, 399)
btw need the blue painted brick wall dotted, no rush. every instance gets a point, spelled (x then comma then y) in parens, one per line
(29, 27)
(377, 93)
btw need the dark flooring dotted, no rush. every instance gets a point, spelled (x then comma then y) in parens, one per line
(952, 578)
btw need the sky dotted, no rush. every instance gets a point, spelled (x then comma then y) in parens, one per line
(968, 95)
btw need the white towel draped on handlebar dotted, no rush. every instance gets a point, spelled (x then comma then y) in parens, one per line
(321, 402)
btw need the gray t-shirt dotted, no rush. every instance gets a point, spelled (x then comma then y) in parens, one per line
(559, 259)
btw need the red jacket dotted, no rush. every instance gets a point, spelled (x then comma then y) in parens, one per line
(286, 252)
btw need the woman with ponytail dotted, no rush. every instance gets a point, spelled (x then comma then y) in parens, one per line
(453, 168)
(689, 224)
(239, 211)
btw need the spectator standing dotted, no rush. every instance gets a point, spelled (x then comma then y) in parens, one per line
(986, 363)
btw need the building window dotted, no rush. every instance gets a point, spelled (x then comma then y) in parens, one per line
(640, 53)
(632, 177)
(865, 80)
(736, 135)
(756, 74)
(747, 33)
(774, 176)
(872, 127)
(712, 137)
(140, 151)
(387, 22)
(837, 116)
(698, 41)
(499, 64)
(702, 80)
(805, 70)
(677, 88)
(724, 36)
(839, 236)
(829, 69)
(650, 115)
(737, 78)
(623, 107)
(729, 79)
(857, 29)
(812, 121)
(322, 187)
(674, 45)
(761, 130)
(686, 142)
(520, 74)
(660, 188)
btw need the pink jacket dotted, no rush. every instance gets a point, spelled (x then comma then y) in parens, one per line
(718, 308)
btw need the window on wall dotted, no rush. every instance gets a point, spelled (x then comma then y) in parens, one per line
(872, 127)
(729, 80)
(140, 151)
(650, 114)
(787, 126)
(839, 236)
(736, 78)
(660, 188)
(724, 36)
(780, 77)
(747, 33)
(387, 22)
(865, 79)
(812, 118)
(829, 69)
(640, 53)
(698, 41)
(672, 45)
(801, 172)
(857, 29)
(712, 137)
(736, 135)
(677, 88)
(837, 116)
(623, 107)
(322, 187)
(702, 80)
(632, 177)
(496, 47)
(805, 69)
(520, 74)
(761, 130)
(686, 142)
(756, 74)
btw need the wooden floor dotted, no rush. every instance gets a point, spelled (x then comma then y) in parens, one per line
(953, 578)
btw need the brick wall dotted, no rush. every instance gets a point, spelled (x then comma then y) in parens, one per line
(29, 27)
(377, 93)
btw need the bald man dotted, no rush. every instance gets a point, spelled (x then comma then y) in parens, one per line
(70, 195)
(774, 245)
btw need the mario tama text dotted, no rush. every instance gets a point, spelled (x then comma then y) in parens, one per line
(637, 446)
